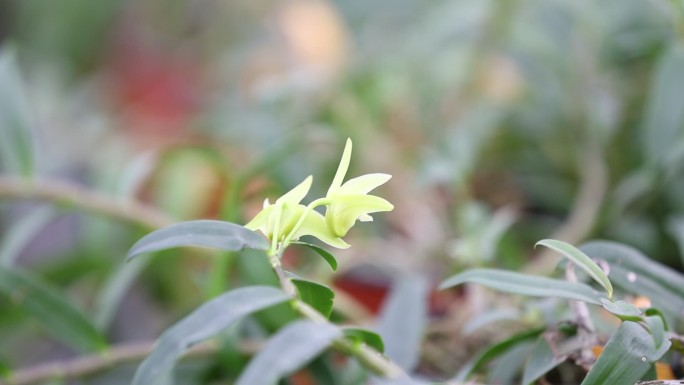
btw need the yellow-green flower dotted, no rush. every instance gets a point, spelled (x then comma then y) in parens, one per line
(277, 221)
(350, 201)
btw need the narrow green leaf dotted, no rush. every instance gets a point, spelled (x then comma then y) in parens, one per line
(541, 361)
(16, 142)
(368, 337)
(320, 297)
(203, 233)
(517, 283)
(635, 273)
(205, 322)
(581, 260)
(45, 304)
(329, 258)
(621, 309)
(22, 232)
(656, 325)
(627, 357)
(291, 348)
(403, 319)
(491, 352)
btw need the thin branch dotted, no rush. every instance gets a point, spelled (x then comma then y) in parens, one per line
(79, 197)
(96, 363)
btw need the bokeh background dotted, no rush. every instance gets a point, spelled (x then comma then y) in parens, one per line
(502, 122)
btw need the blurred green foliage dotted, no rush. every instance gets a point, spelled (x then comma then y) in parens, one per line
(503, 122)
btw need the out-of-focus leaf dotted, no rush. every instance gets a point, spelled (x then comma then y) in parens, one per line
(663, 127)
(621, 309)
(205, 322)
(634, 273)
(292, 347)
(541, 361)
(517, 283)
(320, 297)
(488, 317)
(329, 258)
(113, 291)
(627, 357)
(368, 337)
(44, 304)
(507, 366)
(491, 352)
(203, 233)
(675, 226)
(581, 260)
(16, 142)
(403, 319)
(23, 231)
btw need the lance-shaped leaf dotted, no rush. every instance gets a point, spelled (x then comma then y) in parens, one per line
(368, 337)
(43, 303)
(203, 233)
(628, 356)
(328, 257)
(581, 260)
(517, 283)
(208, 320)
(318, 296)
(293, 346)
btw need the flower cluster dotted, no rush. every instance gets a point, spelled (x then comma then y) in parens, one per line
(287, 219)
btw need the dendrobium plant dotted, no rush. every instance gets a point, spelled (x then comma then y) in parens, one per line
(287, 219)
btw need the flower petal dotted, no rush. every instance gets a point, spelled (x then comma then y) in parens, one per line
(363, 184)
(346, 209)
(315, 225)
(260, 221)
(298, 193)
(341, 169)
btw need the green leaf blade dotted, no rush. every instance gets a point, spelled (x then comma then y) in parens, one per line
(54, 312)
(318, 296)
(205, 322)
(368, 337)
(627, 357)
(201, 233)
(541, 361)
(517, 283)
(292, 347)
(327, 256)
(581, 260)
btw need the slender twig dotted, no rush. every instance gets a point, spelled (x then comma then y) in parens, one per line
(79, 197)
(96, 363)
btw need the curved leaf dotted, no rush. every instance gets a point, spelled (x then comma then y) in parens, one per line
(491, 352)
(627, 357)
(329, 258)
(205, 322)
(368, 337)
(293, 346)
(635, 273)
(403, 320)
(581, 260)
(621, 309)
(318, 296)
(44, 304)
(203, 233)
(541, 361)
(517, 283)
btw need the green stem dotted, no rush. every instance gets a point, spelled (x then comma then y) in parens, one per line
(370, 358)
